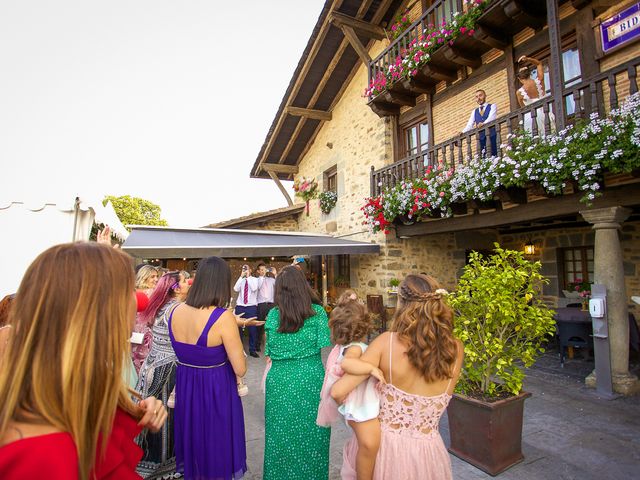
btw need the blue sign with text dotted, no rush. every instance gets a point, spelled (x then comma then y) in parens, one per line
(620, 28)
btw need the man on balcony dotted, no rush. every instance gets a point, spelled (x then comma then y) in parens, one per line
(485, 113)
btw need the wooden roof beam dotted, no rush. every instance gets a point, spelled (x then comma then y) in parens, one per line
(325, 78)
(309, 113)
(283, 190)
(384, 6)
(362, 28)
(356, 44)
(301, 77)
(279, 168)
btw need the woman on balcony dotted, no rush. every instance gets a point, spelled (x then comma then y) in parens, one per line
(531, 90)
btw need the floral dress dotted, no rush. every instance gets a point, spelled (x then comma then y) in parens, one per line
(295, 447)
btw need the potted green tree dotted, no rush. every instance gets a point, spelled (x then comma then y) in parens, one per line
(503, 324)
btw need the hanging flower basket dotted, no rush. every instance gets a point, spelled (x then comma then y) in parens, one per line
(328, 201)
(307, 189)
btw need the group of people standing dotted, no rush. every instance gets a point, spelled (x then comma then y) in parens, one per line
(67, 409)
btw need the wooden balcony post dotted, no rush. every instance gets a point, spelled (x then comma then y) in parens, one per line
(555, 65)
(372, 183)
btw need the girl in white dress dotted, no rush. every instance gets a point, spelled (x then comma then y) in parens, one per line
(531, 90)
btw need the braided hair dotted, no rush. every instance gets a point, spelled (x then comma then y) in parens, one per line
(424, 319)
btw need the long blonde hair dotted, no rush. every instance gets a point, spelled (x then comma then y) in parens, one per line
(426, 321)
(63, 364)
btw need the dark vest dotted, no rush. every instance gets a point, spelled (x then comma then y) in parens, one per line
(482, 118)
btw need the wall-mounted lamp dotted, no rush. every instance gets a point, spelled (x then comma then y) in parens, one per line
(245, 259)
(273, 258)
(529, 248)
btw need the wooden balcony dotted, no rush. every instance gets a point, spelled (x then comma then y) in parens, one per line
(599, 94)
(495, 27)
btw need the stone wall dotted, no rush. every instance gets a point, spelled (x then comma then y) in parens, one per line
(353, 141)
(289, 224)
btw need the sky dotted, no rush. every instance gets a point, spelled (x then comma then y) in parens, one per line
(166, 100)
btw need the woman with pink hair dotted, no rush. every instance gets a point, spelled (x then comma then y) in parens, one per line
(155, 361)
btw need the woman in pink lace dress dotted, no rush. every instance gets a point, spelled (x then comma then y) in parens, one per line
(421, 360)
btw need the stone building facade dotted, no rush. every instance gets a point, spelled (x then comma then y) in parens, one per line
(355, 139)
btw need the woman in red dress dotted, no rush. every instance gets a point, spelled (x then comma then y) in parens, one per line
(62, 391)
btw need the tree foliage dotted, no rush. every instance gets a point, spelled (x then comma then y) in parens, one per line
(136, 211)
(501, 320)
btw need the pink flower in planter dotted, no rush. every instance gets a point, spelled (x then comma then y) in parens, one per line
(471, 32)
(441, 194)
(463, 29)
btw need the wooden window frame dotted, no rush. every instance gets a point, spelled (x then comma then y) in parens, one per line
(421, 113)
(584, 266)
(330, 179)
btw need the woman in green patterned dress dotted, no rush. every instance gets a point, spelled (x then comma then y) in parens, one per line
(295, 447)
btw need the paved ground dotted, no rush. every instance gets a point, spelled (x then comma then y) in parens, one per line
(569, 433)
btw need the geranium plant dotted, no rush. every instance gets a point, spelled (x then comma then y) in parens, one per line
(501, 320)
(400, 24)
(328, 200)
(581, 286)
(409, 60)
(306, 188)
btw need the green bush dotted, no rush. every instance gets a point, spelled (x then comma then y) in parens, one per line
(501, 321)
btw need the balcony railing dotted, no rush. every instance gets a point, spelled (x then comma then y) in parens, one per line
(500, 20)
(440, 10)
(599, 94)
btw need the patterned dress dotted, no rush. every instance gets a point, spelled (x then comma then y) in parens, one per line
(295, 447)
(158, 377)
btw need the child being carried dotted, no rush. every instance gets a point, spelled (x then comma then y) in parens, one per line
(350, 324)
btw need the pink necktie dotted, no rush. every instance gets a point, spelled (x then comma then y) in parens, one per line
(246, 292)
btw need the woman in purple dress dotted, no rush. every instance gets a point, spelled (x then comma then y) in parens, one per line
(208, 417)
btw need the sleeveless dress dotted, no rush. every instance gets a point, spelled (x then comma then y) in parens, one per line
(540, 120)
(295, 447)
(411, 447)
(208, 416)
(361, 405)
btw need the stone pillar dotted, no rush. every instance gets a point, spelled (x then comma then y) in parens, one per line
(609, 272)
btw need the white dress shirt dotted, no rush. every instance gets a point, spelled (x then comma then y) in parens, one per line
(254, 285)
(493, 113)
(267, 290)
